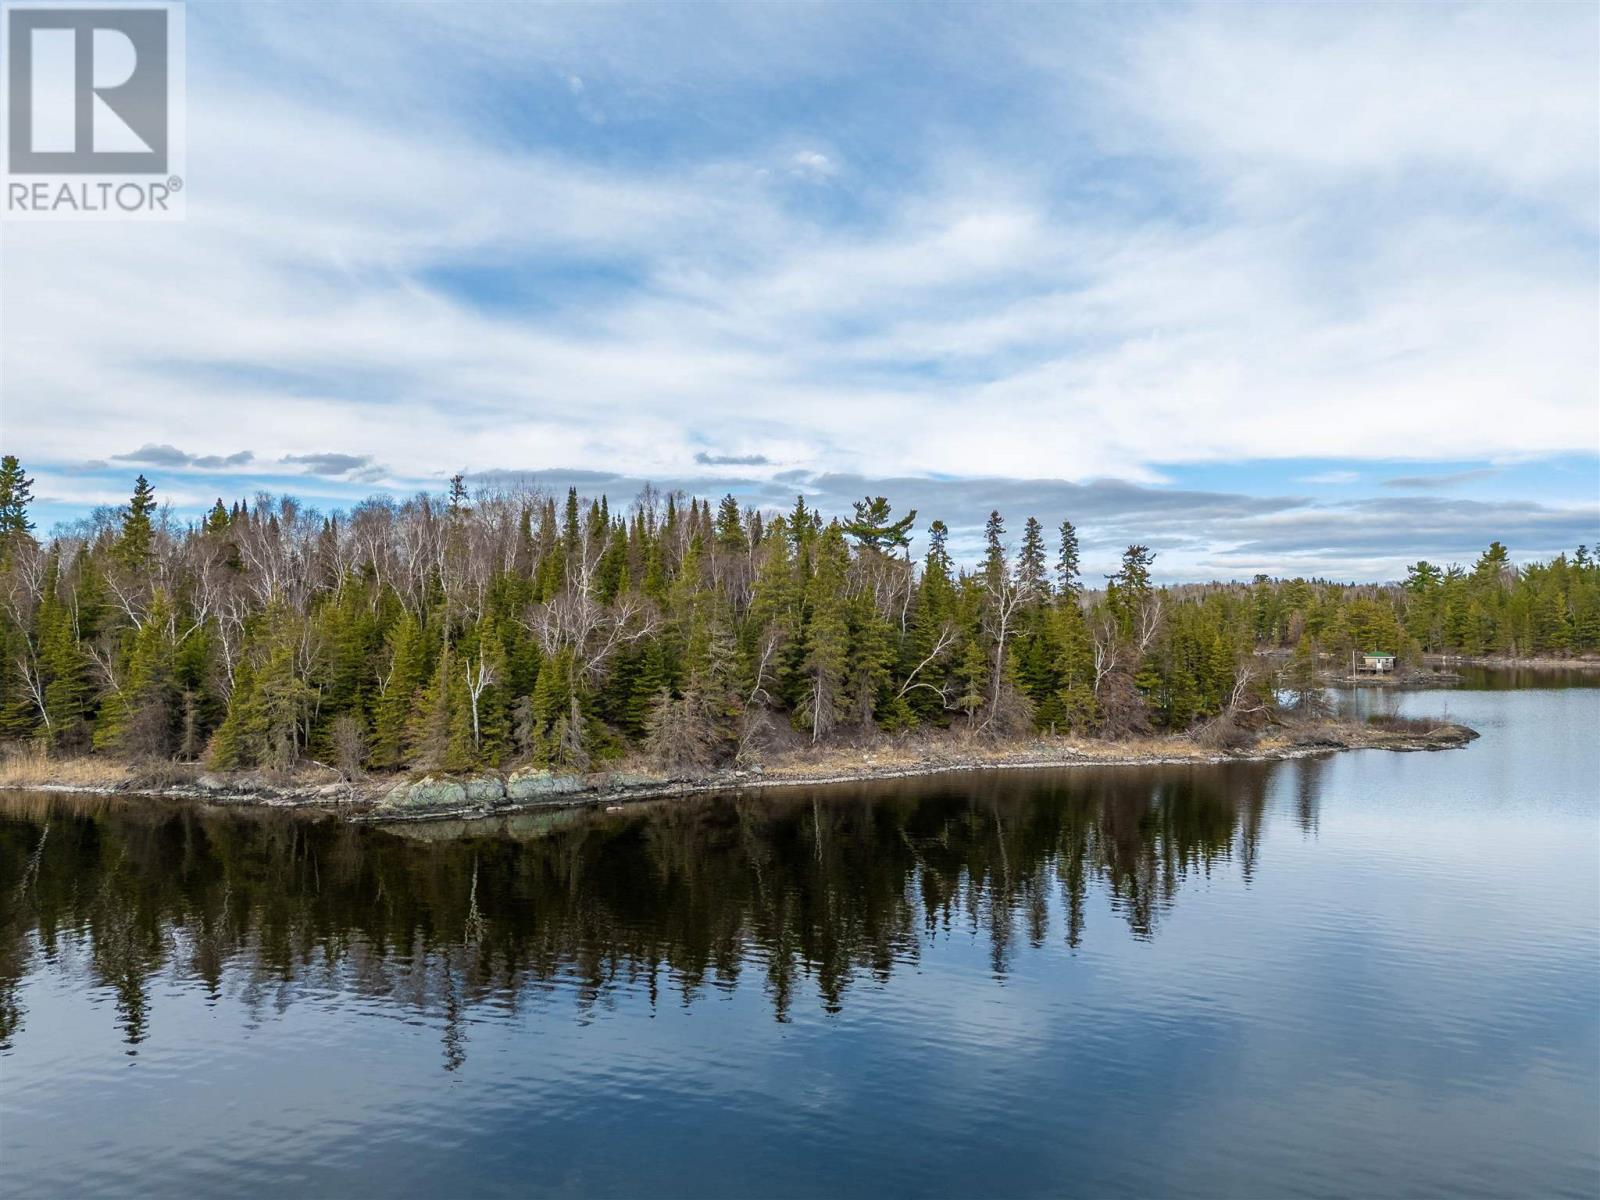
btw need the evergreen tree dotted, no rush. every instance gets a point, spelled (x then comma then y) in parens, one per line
(827, 638)
(870, 660)
(994, 551)
(66, 667)
(462, 636)
(217, 519)
(875, 529)
(1074, 668)
(1068, 581)
(432, 729)
(407, 669)
(1031, 578)
(16, 493)
(730, 528)
(138, 531)
(140, 717)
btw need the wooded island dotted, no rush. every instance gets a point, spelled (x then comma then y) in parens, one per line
(508, 627)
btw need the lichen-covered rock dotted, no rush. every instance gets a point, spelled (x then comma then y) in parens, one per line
(426, 793)
(532, 785)
(626, 779)
(486, 791)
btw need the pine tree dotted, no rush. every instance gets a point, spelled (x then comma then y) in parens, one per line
(407, 669)
(1068, 581)
(929, 648)
(994, 551)
(875, 529)
(140, 717)
(1128, 598)
(16, 493)
(217, 520)
(429, 732)
(730, 528)
(699, 729)
(138, 531)
(1074, 667)
(974, 679)
(232, 745)
(803, 524)
(570, 532)
(826, 638)
(66, 667)
(1031, 561)
(869, 660)
(281, 698)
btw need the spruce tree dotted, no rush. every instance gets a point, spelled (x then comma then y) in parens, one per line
(16, 493)
(140, 717)
(1031, 578)
(870, 659)
(730, 533)
(826, 638)
(66, 666)
(217, 519)
(138, 530)
(407, 669)
(1073, 647)
(994, 551)
(1068, 580)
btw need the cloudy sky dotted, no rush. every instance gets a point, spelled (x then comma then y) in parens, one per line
(1298, 289)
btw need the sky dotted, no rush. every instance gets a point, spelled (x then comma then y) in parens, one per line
(1303, 289)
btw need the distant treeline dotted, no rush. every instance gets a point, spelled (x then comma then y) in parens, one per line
(510, 627)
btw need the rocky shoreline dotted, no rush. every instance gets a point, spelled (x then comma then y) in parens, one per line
(1507, 662)
(437, 796)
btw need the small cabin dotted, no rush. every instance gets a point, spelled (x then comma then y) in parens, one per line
(1376, 662)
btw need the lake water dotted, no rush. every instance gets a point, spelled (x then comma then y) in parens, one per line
(1369, 974)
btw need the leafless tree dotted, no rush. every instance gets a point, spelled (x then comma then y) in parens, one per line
(479, 680)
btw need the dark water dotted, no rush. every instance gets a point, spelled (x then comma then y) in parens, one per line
(1371, 974)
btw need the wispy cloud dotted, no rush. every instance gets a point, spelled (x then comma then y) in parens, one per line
(170, 456)
(1452, 479)
(350, 466)
(731, 460)
(813, 164)
(601, 234)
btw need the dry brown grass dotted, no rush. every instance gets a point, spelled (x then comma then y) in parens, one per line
(959, 749)
(27, 764)
(1391, 723)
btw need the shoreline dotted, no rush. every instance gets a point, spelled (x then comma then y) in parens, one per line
(1506, 662)
(482, 795)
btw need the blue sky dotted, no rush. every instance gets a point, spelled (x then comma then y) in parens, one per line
(1286, 288)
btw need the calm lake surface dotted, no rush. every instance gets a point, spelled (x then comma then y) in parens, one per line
(1369, 974)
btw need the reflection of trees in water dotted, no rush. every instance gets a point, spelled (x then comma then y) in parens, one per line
(814, 891)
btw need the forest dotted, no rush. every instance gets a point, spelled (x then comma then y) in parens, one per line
(507, 627)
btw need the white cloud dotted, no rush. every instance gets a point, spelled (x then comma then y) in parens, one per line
(1504, 93)
(1299, 285)
(814, 163)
